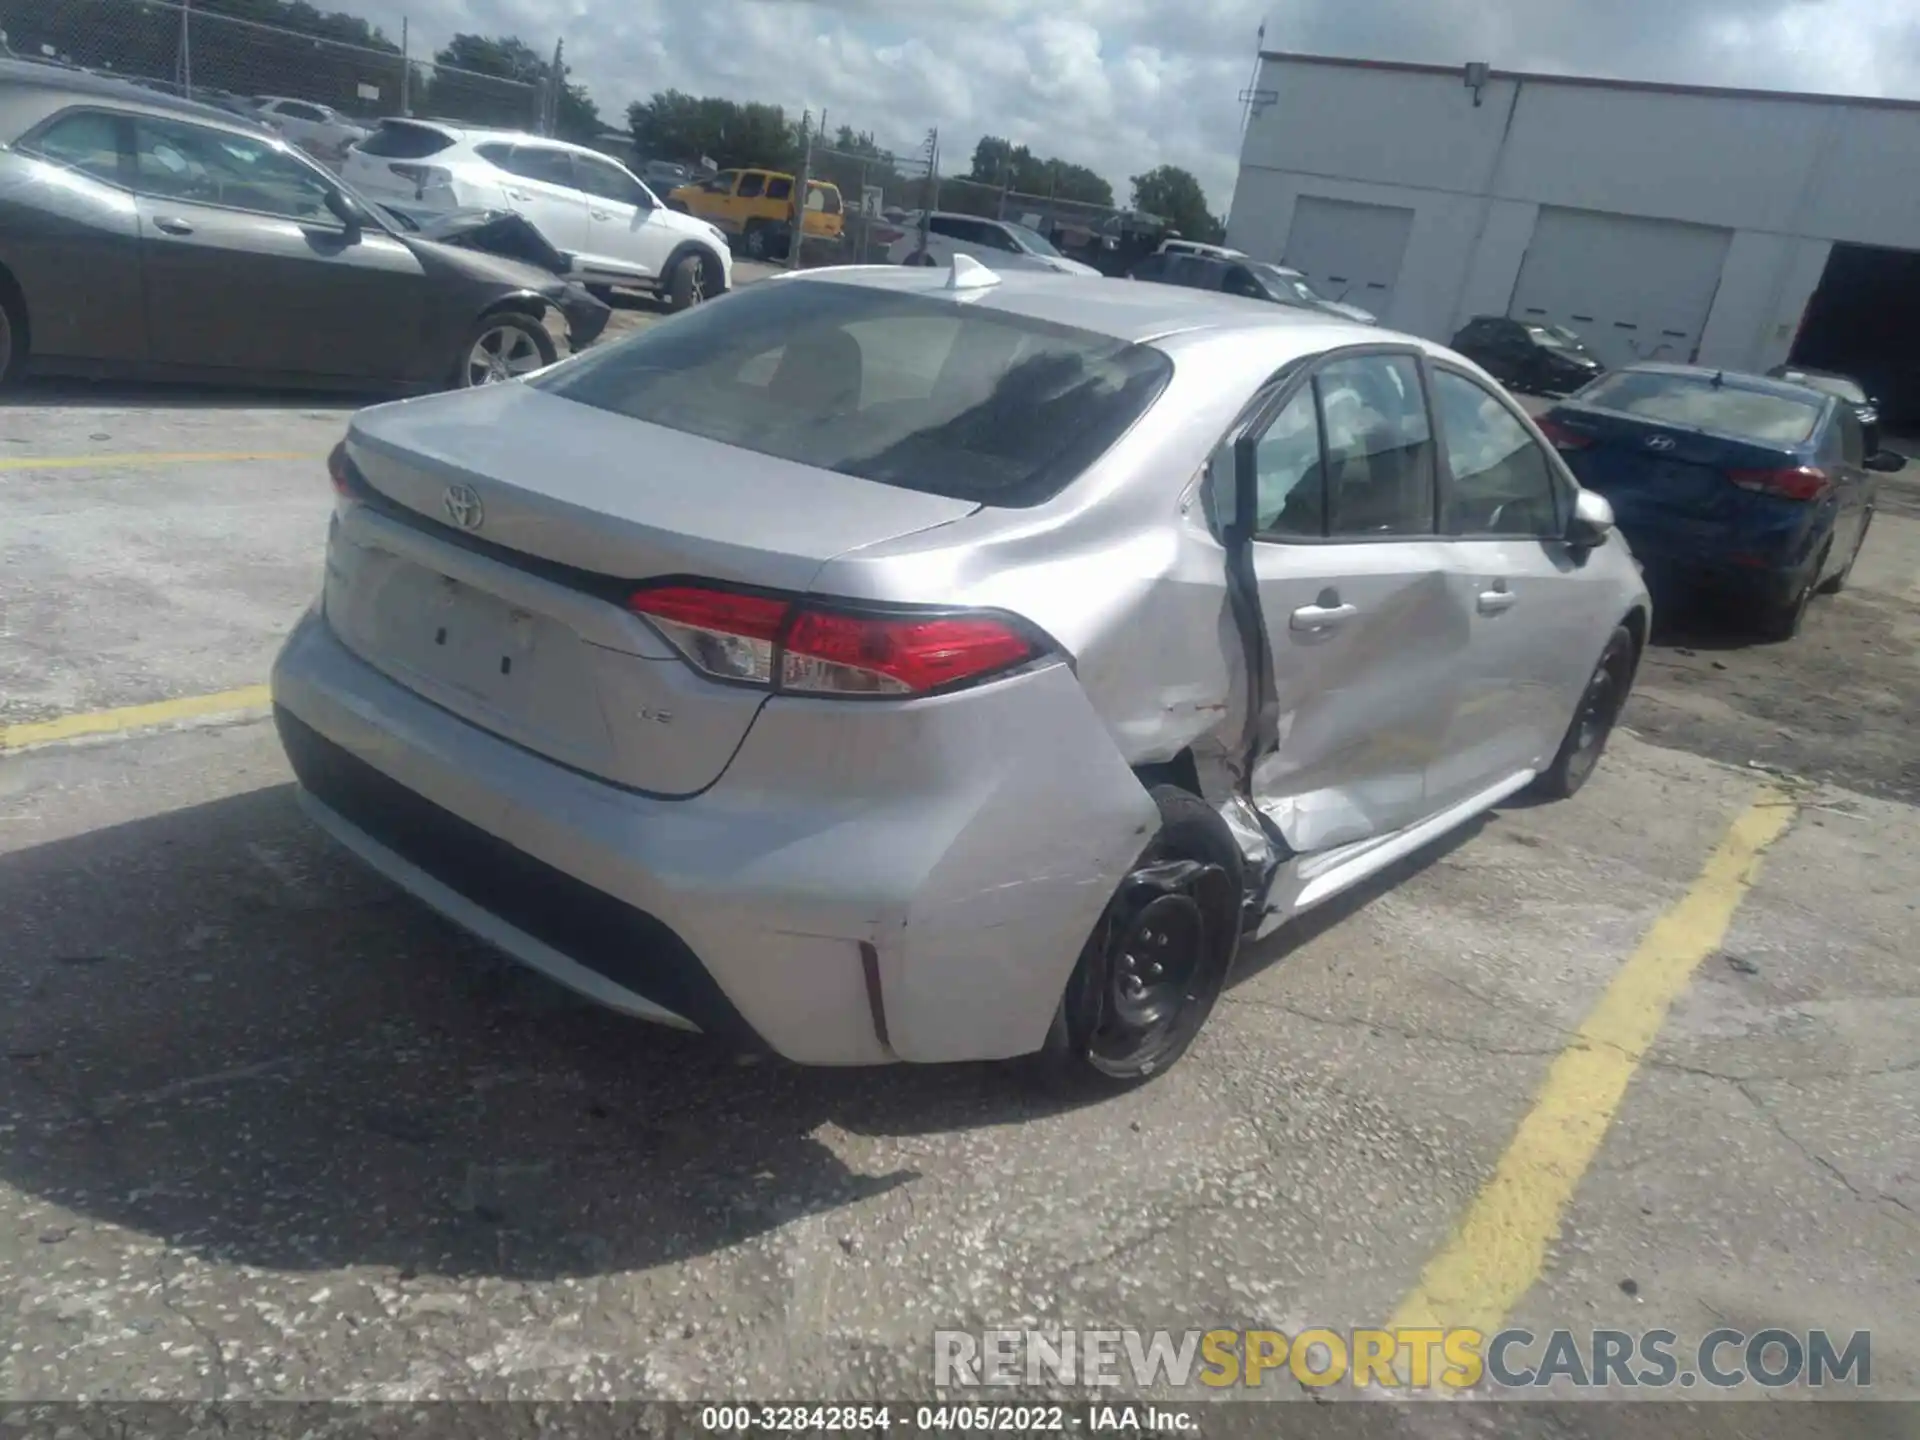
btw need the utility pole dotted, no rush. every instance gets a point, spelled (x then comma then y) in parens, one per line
(186, 48)
(800, 183)
(554, 82)
(406, 71)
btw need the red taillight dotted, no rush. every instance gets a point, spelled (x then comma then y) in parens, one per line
(722, 632)
(1805, 482)
(1562, 437)
(812, 649)
(888, 655)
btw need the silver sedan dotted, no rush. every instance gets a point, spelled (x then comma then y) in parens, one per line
(894, 664)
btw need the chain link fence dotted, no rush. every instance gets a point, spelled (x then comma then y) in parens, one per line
(877, 190)
(225, 60)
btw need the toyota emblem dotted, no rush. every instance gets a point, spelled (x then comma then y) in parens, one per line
(463, 507)
(1654, 442)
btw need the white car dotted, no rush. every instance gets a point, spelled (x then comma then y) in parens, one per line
(978, 238)
(317, 129)
(591, 208)
(1195, 247)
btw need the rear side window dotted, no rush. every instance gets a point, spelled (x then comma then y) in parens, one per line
(779, 187)
(825, 198)
(87, 141)
(1696, 402)
(907, 390)
(395, 140)
(531, 162)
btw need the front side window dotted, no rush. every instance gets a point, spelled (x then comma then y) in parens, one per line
(900, 389)
(607, 181)
(1502, 482)
(1380, 461)
(87, 141)
(180, 161)
(538, 162)
(1289, 484)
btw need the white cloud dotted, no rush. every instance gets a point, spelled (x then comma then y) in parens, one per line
(1123, 85)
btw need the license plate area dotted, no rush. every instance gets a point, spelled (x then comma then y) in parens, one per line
(516, 672)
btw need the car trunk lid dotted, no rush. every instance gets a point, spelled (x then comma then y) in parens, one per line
(504, 529)
(1657, 475)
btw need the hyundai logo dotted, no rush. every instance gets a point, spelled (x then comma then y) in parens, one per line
(463, 507)
(1654, 442)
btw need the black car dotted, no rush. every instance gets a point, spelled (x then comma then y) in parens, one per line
(1845, 387)
(1528, 355)
(147, 236)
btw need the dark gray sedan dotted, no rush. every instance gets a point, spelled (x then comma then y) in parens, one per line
(148, 237)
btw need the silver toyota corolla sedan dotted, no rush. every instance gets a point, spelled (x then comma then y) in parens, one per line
(888, 664)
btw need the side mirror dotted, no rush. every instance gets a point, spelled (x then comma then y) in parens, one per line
(348, 213)
(1592, 520)
(1887, 462)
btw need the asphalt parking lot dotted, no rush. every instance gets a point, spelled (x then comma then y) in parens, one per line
(269, 1129)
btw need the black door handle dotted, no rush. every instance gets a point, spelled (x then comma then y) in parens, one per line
(172, 224)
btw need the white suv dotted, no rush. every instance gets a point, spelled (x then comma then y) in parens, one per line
(999, 243)
(317, 129)
(591, 208)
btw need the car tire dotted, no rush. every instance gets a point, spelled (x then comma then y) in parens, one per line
(1593, 720)
(1780, 622)
(1839, 581)
(1122, 1018)
(757, 240)
(686, 284)
(504, 334)
(13, 335)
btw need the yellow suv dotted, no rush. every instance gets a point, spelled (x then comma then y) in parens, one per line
(756, 207)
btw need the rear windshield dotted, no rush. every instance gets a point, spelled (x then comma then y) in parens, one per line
(395, 140)
(920, 392)
(1695, 401)
(1551, 337)
(1828, 385)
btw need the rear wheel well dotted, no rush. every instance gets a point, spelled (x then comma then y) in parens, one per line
(1181, 772)
(1637, 625)
(16, 305)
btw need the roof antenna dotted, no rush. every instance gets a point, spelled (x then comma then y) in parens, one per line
(969, 274)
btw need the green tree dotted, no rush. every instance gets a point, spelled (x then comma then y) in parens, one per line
(999, 162)
(1176, 197)
(673, 125)
(507, 57)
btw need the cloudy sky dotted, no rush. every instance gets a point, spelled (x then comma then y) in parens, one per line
(1122, 85)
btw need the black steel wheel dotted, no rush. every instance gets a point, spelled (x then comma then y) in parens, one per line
(1593, 720)
(1159, 957)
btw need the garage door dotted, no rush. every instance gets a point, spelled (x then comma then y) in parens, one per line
(1632, 288)
(1349, 251)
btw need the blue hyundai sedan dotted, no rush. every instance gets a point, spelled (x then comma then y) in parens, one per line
(1756, 489)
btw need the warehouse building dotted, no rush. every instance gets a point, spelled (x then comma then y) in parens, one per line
(1730, 227)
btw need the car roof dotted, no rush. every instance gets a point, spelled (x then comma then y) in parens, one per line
(1122, 309)
(1731, 379)
(86, 85)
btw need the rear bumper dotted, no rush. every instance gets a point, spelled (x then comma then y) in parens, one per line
(925, 904)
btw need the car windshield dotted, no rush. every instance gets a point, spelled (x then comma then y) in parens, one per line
(1284, 285)
(1696, 402)
(903, 389)
(1552, 337)
(1032, 241)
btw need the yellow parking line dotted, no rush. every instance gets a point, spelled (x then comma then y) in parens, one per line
(133, 717)
(1496, 1254)
(180, 457)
